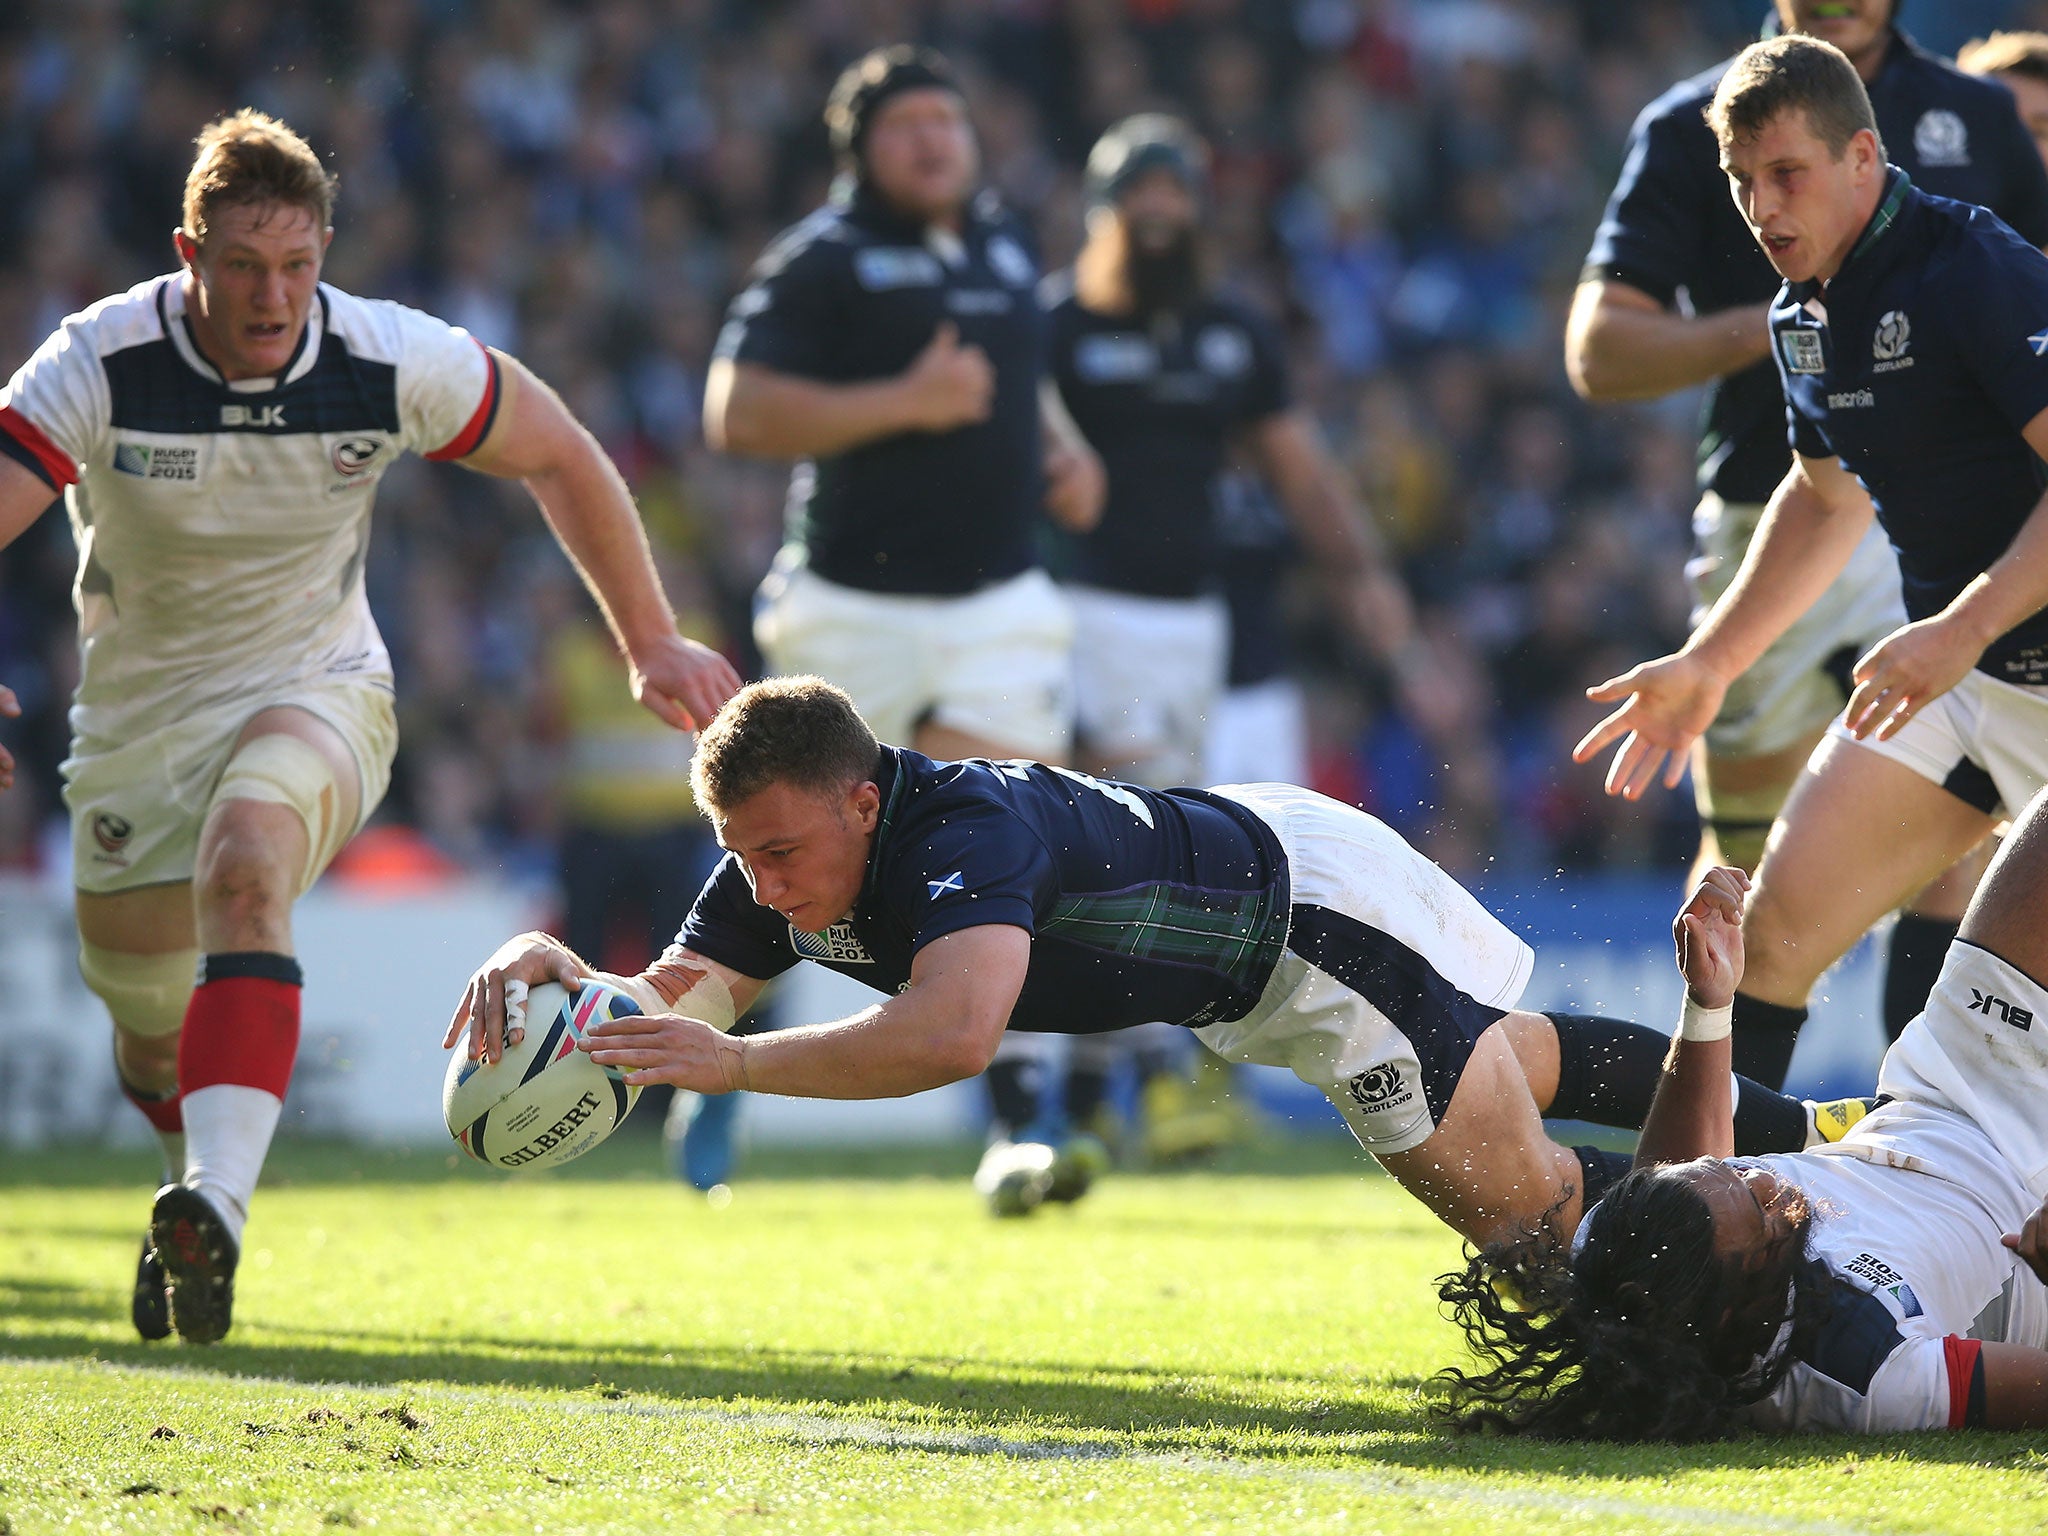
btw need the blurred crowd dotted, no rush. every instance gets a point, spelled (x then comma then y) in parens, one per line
(1408, 185)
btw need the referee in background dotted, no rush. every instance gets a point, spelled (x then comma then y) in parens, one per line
(1675, 294)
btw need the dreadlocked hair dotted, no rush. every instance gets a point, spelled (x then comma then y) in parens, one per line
(1648, 1335)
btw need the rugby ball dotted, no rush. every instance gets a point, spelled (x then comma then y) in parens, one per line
(543, 1102)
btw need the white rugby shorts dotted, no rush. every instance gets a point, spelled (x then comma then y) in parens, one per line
(1147, 671)
(1984, 741)
(994, 663)
(137, 808)
(1391, 971)
(1795, 688)
(1981, 1049)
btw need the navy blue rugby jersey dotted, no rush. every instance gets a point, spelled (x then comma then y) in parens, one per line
(853, 293)
(1161, 402)
(1671, 223)
(1142, 904)
(1918, 368)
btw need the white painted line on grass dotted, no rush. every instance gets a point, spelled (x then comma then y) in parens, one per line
(829, 1429)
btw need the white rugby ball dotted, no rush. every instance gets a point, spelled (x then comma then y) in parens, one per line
(543, 1102)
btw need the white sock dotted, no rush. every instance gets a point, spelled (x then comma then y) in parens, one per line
(227, 1134)
(1734, 1092)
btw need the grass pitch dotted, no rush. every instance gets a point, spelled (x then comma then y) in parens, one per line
(850, 1346)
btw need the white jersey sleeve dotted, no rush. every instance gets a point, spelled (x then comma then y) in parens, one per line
(446, 382)
(1918, 1382)
(54, 411)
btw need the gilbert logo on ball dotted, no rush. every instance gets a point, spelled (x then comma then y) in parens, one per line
(543, 1102)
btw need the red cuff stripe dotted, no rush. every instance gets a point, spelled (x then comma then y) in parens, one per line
(57, 464)
(464, 443)
(1965, 1360)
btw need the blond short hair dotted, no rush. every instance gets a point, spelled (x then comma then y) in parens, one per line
(251, 158)
(800, 731)
(2006, 53)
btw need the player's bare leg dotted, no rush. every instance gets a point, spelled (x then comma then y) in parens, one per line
(1739, 798)
(1860, 834)
(1488, 1169)
(138, 950)
(290, 792)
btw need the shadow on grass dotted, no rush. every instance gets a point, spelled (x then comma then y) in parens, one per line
(948, 1405)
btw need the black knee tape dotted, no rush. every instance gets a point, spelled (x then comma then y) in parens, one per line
(261, 964)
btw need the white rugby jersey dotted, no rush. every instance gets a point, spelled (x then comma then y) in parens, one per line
(222, 526)
(1908, 1211)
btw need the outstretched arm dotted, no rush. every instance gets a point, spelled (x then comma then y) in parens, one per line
(586, 502)
(1808, 532)
(943, 1027)
(680, 982)
(1693, 1111)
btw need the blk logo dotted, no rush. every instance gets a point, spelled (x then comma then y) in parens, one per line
(246, 416)
(2011, 1013)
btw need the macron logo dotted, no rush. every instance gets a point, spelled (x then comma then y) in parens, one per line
(939, 888)
(2039, 342)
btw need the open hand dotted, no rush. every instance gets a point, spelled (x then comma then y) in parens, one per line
(2031, 1242)
(520, 963)
(1904, 672)
(682, 681)
(667, 1048)
(1668, 705)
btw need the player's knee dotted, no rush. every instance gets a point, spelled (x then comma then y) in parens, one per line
(274, 770)
(243, 876)
(146, 994)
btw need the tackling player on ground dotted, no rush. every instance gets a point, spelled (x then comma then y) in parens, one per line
(1912, 343)
(1878, 1284)
(981, 896)
(1670, 234)
(218, 435)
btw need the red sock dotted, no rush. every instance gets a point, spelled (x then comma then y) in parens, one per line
(242, 1025)
(166, 1112)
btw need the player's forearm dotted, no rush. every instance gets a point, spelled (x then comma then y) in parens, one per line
(587, 504)
(883, 1052)
(753, 410)
(2012, 590)
(1692, 1113)
(1800, 547)
(1620, 350)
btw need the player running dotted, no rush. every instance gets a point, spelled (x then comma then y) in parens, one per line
(1912, 342)
(1873, 1285)
(979, 896)
(218, 435)
(1670, 229)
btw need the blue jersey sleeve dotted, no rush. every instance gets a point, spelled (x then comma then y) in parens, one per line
(2001, 289)
(1654, 228)
(972, 870)
(788, 312)
(727, 925)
